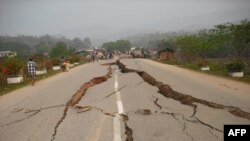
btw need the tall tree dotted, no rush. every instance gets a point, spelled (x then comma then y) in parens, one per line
(20, 48)
(60, 50)
(241, 37)
(42, 48)
(119, 45)
(87, 42)
(77, 43)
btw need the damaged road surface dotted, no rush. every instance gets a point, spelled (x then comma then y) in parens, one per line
(178, 104)
(135, 100)
(41, 112)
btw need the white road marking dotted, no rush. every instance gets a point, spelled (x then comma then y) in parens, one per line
(116, 85)
(120, 107)
(117, 124)
(118, 96)
(117, 128)
(116, 80)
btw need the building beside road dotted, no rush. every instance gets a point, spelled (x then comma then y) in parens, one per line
(136, 52)
(166, 54)
(7, 53)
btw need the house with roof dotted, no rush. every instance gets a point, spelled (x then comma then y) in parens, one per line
(166, 54)
(7, 53)
(136, 52)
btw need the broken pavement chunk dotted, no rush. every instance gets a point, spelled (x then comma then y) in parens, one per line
(143, 112)
(83, 109)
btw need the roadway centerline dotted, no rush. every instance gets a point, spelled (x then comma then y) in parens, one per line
(117, 124)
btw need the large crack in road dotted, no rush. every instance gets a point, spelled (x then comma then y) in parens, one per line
(189, 100)
(184, 119)
(78, 96)
(164, 89)
(81, 92)
(184, 99)
(128, 130)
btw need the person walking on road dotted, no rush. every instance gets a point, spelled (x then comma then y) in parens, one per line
(66, 65)
(32, 70)
(93, 57)
(62, 63)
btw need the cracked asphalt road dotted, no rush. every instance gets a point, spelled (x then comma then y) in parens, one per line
(82, 105)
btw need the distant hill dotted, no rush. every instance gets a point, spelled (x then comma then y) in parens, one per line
(100, 34)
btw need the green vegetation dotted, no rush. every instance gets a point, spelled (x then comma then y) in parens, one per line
(237, 66)
(46, 52)
(224, 48)
(120, 45)
(74, 59)
(60, 50)
(55, 62)
(11, 66)
(229, 40)
(42, 48)
(218, 67)
(5, 88)
(30, 45)
(20, 48)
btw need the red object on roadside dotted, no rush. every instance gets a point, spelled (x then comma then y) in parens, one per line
(6, 71)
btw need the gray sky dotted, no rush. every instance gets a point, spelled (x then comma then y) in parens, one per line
(86, 17)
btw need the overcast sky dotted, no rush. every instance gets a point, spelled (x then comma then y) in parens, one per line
(39, 17)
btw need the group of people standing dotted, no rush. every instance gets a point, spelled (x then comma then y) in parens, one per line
(94, 56)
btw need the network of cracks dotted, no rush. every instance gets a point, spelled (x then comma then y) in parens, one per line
(163, 89)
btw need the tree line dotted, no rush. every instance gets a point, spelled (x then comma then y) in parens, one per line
(119, 45)
(222, 41)
(31, 45)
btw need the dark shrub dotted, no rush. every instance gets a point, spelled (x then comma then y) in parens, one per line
(237, 66)
(55, 62)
